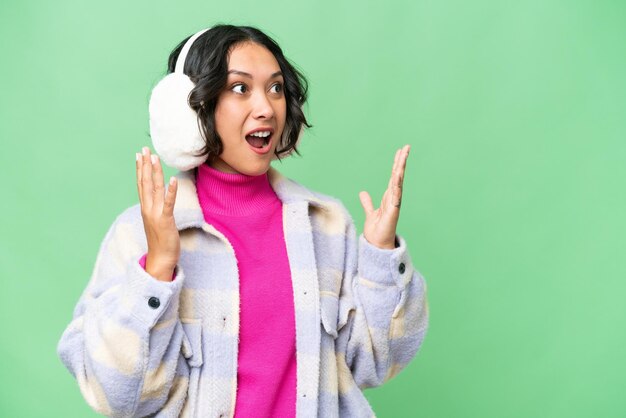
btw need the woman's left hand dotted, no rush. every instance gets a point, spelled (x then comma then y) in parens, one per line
(380, 224)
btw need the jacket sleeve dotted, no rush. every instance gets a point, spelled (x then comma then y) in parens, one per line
(383, 309)
(125, 344)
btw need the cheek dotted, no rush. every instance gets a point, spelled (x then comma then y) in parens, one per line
(283, 111)
(226, 117)
(219, 117)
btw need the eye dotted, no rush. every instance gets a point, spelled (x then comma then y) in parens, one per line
(239, 88)
(279, 86)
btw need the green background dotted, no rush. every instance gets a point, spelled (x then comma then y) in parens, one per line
(513, 204)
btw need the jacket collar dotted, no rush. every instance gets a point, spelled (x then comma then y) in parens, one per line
(188, 213)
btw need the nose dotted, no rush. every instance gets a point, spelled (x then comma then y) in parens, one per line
(262, 107)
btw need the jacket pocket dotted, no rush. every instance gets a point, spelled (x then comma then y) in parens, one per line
(329, 310)
(192, 351)
(192, 341)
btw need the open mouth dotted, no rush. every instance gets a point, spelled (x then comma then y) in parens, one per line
(259, 141)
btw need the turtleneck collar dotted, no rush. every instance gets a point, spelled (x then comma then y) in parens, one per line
(233, 194)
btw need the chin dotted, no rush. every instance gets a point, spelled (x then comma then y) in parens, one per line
(257, 171)
(253, 169)
(249, 168)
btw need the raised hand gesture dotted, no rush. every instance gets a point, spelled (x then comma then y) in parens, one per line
(157, 211)
(380, 224)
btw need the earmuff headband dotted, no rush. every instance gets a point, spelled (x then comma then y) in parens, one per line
(180, 62)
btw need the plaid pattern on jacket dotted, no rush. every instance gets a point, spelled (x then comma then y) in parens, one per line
(141, 347)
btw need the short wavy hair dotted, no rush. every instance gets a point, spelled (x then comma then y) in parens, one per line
(207, 66)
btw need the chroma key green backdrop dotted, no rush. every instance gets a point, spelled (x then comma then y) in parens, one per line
(514, 198)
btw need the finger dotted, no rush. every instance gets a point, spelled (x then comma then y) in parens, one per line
(138, 161)
(170, 197)
(157, 178)
(146, 179)
(393, 169)
(397, 172)
(402, 168)
(366, 202)
(396, 198)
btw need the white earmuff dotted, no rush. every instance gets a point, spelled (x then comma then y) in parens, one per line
(174, 127)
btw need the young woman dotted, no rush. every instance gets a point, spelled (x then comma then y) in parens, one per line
(236, 291)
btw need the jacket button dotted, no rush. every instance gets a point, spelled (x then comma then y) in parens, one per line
(154, 302)
(401, 268)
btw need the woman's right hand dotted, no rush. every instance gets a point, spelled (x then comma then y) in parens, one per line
(157, 211)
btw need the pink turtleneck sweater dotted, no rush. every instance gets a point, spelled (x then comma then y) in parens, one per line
(249, 214)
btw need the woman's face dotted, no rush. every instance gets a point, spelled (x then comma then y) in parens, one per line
(253, 100)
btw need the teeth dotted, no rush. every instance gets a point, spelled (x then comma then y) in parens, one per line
(261, 134)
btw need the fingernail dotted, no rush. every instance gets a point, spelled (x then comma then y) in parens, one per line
(154, 158)
(172, 180)
(137, 156)
(144, 150)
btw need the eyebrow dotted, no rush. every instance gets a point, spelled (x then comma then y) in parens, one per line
(243, 73)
